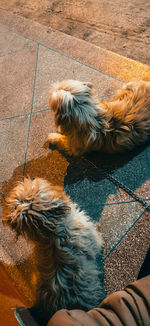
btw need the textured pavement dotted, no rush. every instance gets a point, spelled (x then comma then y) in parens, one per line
(32, 57)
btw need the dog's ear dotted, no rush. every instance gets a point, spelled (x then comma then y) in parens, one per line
(62, 102)
(65, 113)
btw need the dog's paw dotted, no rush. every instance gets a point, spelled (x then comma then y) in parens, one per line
(53, 138)
(51, 141)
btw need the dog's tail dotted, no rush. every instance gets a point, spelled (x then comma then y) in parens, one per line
(64, 94)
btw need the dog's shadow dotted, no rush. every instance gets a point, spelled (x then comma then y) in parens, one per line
(84, 180)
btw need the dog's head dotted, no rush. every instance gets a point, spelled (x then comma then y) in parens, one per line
(73, 105)
(34, 208)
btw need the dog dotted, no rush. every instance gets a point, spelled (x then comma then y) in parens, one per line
(67, 245)
(84, 124)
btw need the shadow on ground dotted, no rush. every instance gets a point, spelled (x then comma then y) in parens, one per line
(83, 178)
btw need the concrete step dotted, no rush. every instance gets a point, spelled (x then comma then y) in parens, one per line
(108, 62)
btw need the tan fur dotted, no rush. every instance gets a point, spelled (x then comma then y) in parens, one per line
(86, 124)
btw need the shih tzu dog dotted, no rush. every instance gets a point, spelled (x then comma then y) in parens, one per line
(67, 245)
(85, 124)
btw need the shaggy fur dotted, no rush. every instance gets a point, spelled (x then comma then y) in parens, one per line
(85, 124)
(67, 244)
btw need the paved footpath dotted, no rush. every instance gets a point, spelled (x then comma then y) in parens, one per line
(32, 57)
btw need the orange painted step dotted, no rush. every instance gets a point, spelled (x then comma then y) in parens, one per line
(10, 298)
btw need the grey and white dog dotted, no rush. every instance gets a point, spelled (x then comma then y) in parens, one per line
(67, 245)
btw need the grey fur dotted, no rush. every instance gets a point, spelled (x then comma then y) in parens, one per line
(67, 246)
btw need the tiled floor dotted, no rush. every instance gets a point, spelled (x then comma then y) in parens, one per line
(31, 59)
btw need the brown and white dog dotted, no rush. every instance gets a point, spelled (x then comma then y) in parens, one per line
(86, 124)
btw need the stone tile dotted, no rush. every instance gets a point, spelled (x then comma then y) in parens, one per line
(96, 167)
(11, 42)
(131, 169)
(17, 80)
(90, 189)
(123, 265)
(54, 67)
(42, 123)
(13, 135)
(43, 162)
(135, 174)
(115, 221)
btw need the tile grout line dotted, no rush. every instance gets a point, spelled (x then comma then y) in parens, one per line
(19, 34)
(29, 126)
(81, 63)
(120, 240)
(15, 116)
(40, 110)
(111, 204)
(24, 115)
(65, 55)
